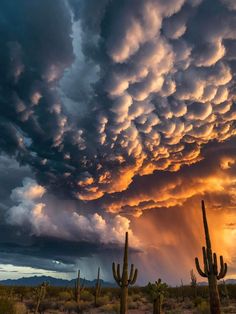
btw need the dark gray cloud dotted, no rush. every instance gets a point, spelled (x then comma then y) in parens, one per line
(145, 87)
(99, 99)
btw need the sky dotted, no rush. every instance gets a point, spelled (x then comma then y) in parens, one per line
(116, 116)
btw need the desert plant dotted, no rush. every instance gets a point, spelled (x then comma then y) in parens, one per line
(40, 295)
(157, 291)
(7, 306)
(182, 289)
(97, 288)
(224, 292)
(78, 288)
(193, 282)
(211, 268)
(124, 280)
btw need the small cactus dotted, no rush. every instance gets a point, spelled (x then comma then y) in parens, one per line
(157, 291)
(224, 292)
(124, 280)
(193, 282)
(40, 295)
(97, 288)
(211, 268)
(182, 289)
(78, 288)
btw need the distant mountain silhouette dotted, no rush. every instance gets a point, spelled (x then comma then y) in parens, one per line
(57, 282)
(227, 281)
(37, 280)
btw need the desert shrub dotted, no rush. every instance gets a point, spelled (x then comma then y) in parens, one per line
(103, 300)
(84, 305)
(87, 296)
(170, 304)
(111, 308)
(188, 304)
(197, 301)
(64, 295)
(20, 308)
(71, 306)
(133, 305)
(136, 297)
(7, 306)
(203, 308)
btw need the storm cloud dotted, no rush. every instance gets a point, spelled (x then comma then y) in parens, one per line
(113, 110)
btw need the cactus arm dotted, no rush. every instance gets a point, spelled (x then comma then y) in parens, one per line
(118, 272)
(223, 268)
(131, 273)
(215, 265)
(201, 273)
(133, 280)
(115, 274)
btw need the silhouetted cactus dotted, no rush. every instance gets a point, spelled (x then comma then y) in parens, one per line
(40, 295)
(97, 288)
(157, 292)
(78, 288)
(182, 289)
(211, 268)
(124, 280)
(224, 292)
(193, 282)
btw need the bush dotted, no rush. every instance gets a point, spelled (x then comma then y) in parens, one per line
(111, 308)
(87, 296)
(64, 296)
(71, 306)
(7, 306)
(20, 308)
(203, 308)
(103, 300)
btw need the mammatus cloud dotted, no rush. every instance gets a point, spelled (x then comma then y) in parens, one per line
(162, 78)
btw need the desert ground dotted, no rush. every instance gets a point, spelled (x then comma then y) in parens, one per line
(60, 300)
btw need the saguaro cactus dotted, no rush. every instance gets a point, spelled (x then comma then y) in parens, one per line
(211, 268)
(40, 294)
(78, 288)
(124, 280)
(97, 289)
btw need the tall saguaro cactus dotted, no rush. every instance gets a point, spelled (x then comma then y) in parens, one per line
(78, 287)
(125, 279)
(211, 268)
(97, 289)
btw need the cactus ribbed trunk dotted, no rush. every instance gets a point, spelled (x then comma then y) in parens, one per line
(97, 288)
(157, 306)
(214, 295)
(123, 300)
